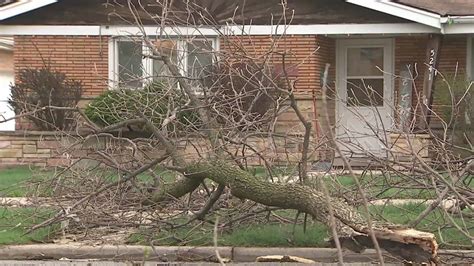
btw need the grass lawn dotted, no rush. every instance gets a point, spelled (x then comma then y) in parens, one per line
(21, 181)
(283, 235)
(436, 222)
(17, 181)
(15, 221)
(254, 235)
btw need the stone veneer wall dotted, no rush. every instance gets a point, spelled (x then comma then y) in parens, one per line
(403, 146)
(30, 148)
(50, 149)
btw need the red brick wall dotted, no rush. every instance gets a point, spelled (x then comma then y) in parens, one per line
(86, 57)
(412, 49)
(83, 58)
(306, 55)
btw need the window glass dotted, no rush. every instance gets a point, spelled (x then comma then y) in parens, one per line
(199, 57)
(160, 70)
(365, 92)
(364, 61)
(130, 66)
(472, 59)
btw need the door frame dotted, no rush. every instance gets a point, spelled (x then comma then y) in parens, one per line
(341, 70)
(8, 76)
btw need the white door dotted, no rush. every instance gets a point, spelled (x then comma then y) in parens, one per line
(6, 78)
(364, 105)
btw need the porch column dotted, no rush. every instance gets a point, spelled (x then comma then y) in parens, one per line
(432, 60)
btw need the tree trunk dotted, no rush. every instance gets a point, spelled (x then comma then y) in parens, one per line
(407, 243)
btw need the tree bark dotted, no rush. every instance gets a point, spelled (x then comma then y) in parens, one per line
(407, 243)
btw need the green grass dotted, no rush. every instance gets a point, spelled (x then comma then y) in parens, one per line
(252, 235)
(22, 181)
(15, 222)
(384, 188)
(277, 235)
(436, 222)
(16, 181)
(282, 234)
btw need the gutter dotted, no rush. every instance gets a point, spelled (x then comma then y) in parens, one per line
(402, 11)
(457, 19)
(443, 24)
(22, 6)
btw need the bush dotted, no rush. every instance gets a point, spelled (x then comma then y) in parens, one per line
(155, 102)
(455, 99)
(37, 89)
(243, 88)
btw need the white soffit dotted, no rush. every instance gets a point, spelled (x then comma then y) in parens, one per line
(329, 29)
(22, 6)
(402, 11)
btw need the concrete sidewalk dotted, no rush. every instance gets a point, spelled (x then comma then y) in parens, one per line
(168, 254)
(192, 254)
(151, 263)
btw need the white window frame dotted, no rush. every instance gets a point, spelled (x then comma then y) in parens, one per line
(469, 55)
(147, 62)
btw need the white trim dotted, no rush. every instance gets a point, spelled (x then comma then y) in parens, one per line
(147, 62)
(111, 58)
(337, 29)
(457, 19)
(469, 55)
(341, 73)
(6, 43)
(389, 50)
(49, 30)
(22, 6)
(400, 10)
(458, 28)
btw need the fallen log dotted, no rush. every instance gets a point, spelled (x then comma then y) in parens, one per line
(406, 243)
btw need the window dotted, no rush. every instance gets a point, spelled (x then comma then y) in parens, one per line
(365, 80)
(199, 57)
(160, 70)
(470, 57)
(132, 69)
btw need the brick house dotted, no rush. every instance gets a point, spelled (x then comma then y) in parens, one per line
(378, 43)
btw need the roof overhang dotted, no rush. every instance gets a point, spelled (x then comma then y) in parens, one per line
(315, 29)
(402, 11)
(426, 22)
(22, 6)
(444, 24)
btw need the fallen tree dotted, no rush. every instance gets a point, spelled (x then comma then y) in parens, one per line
(230, 119)
(409, 244)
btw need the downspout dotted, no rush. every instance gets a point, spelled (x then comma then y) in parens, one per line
(315, 110)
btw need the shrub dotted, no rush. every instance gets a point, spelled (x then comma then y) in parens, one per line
(38, 89)
(245, 88)
(455, 99)
(155, 102)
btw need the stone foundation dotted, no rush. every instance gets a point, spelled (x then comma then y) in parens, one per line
(407, 147)
(50, 149)
(31, 148)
